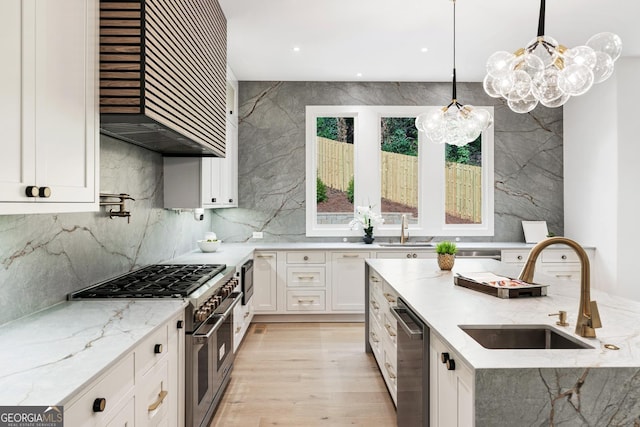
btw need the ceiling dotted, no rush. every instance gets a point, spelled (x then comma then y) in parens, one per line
(383, 39)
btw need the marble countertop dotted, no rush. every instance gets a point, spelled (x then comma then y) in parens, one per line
(48, 356)
(231, 254)
(443, 306)
(237, 253)
(383, 245)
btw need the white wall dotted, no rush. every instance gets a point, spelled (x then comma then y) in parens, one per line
(601, 169)
(629, 176)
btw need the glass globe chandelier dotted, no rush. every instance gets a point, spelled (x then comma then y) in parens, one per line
(454, 124)
(549, 73)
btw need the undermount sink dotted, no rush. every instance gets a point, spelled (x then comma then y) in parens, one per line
(408, 245)
(522, 337)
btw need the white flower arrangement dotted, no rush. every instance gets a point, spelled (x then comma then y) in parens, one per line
(365, 218)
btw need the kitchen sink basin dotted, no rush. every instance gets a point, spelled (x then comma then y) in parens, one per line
(522, 337)
(407, 245)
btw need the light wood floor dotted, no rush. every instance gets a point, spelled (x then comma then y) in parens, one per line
(305, 375)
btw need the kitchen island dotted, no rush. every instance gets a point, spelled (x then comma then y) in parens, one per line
(593, 386)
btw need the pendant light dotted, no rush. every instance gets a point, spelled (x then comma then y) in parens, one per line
(454, 124)
(549, 73)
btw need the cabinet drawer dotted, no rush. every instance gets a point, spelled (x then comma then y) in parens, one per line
(154, 395)
(390, 326)
(514, 257)
(306, 277)
(306, 257)
(113, 387)
(559, 256)
(390, 373)
(375, 283)
(407, 255)
(375, 340)
(375, 308)
(124, 417)
(390, 296)
(306, 300)
(151, 350)
(563, 272)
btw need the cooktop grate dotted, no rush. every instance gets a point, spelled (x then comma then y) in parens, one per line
(154, 281)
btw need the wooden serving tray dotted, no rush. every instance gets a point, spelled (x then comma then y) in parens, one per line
(507, 290)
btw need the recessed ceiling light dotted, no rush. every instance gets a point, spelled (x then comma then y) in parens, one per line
(424, 49)
(296, 48)
(358, 74)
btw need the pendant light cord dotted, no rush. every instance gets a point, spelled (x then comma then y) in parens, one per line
(541, 18)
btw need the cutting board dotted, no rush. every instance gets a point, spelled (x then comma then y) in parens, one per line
(499, 286)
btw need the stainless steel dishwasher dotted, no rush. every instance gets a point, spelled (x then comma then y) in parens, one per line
(413, 368)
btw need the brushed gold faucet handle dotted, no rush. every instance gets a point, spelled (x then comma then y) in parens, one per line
(595, 315)
(562, 321)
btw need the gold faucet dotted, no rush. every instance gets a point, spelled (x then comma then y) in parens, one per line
(403, 226)
(588, 315)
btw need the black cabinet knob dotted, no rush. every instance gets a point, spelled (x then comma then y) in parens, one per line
(230, 200)
(563, 257)
(31, 191)
(519, 257)
(157, 349)
(99, 404)
(415, 255)
(180, 324)
(408, 255)
(213, 200)
(444, 357)
(44, 192)
(451, 365)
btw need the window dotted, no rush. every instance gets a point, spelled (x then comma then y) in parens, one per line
(374, 156)
(334, 171)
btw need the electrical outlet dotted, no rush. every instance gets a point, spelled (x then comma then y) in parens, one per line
(258, 235)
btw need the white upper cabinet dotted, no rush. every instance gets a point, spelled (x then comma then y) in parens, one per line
(14, 167)
(221, 174)
(207, 182)
(49, 106)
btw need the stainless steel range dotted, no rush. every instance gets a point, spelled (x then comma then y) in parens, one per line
(212, 291)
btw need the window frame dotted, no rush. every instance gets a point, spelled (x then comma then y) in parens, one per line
(367, 180)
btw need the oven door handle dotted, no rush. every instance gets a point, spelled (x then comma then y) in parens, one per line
(199, 337)
(236, 297)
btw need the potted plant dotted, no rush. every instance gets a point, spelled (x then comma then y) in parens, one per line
(365, 218)
(446, 254)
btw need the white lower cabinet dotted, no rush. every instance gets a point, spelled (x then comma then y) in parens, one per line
(451, 387)
(309, 281)
(152, 396)
(383, 330)
(560, 262)
(107, 399)
(242, 316)
(144, 388)
(347, 281)
(265, 282)
(305, 281)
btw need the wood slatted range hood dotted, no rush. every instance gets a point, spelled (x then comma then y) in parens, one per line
(163, 75)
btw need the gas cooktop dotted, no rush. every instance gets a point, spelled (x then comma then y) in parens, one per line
(154, 281)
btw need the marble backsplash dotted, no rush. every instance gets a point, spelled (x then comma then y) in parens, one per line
(528, 155)
(45, 257)
(557, 397)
